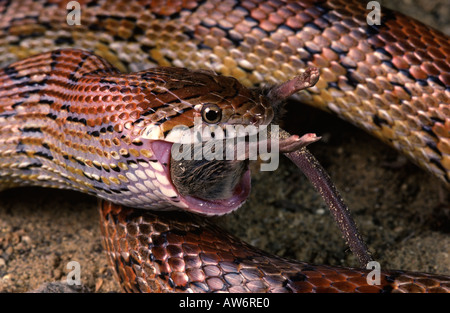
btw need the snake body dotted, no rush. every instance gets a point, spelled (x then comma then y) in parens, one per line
(70, 120)
(58, 128)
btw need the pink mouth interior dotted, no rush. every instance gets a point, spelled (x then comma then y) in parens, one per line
(162, 150)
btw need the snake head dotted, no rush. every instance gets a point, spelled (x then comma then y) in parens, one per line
(183, 105)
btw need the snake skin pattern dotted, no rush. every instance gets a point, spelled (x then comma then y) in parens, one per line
(175, 252)
(70, 120)
(391, 80)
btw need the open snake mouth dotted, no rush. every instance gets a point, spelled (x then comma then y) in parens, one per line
(218, 187)
(208, 202)
(212, 187)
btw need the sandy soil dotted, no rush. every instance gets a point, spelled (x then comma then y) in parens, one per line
(402, 212)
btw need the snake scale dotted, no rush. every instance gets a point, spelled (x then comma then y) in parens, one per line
(391, 80)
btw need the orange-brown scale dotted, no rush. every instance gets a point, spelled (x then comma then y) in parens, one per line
(163, 253)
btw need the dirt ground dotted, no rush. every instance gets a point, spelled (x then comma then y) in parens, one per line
(402, 212)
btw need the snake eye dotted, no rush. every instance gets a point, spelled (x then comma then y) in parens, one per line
(211, 113)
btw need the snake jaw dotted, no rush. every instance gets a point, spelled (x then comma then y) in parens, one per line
(217, 188)
(162, 152)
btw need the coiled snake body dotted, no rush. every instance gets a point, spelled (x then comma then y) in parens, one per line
(70, 120)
